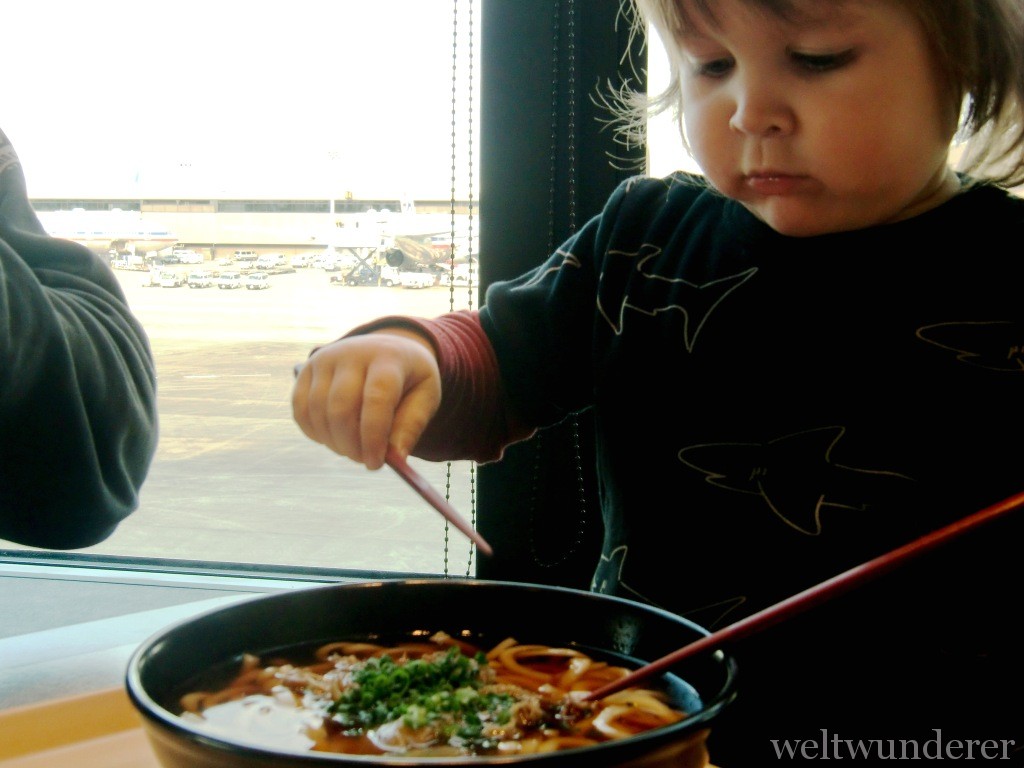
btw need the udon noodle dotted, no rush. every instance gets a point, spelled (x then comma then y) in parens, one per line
(439, 697)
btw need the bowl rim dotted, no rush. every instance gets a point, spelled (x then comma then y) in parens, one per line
(156, 716)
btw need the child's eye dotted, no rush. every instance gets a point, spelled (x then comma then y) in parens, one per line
(713, 68)
(822, 62)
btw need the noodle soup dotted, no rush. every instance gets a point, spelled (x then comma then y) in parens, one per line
(430, 697)
(272, 663)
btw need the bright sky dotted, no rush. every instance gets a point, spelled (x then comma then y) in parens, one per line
(231, 98)
(224, 98)
(665, 147)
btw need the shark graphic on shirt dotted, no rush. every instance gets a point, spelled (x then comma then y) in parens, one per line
(795, 475)
(996, 345)
(610, 572)
(695, 301)
(658, 293)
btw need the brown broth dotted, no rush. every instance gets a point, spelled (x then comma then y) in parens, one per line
(282, 701)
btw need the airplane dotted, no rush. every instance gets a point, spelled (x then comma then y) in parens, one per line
(114, 230)
(404, 239)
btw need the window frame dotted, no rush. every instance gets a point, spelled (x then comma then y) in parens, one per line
(560, 172)
(550, 169)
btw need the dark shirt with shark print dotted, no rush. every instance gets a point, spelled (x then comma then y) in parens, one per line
(771, 411)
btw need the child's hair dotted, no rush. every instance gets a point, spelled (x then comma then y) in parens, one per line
(978, 47)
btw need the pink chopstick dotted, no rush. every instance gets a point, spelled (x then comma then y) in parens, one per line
(435, 499)
(812, 596)
(427, 491)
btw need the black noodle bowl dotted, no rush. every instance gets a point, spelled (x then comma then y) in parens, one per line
(484, 612)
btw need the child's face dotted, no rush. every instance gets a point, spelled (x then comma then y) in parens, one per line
(830, 122)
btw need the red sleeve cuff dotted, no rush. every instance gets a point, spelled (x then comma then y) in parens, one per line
(474, 421)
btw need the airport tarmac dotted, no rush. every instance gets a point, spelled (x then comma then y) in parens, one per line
(234, 479)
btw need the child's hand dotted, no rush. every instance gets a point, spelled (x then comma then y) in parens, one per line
(362, 393)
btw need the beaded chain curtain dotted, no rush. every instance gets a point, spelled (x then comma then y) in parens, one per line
(546, 166)
(462, 76)
(561, 193)
(563, 145)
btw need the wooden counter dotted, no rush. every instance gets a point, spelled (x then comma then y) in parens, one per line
(96, 730)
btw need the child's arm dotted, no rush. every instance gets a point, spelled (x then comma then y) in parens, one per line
(358, 394)
(428, 387)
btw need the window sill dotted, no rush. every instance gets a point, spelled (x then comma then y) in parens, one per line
(71, 630)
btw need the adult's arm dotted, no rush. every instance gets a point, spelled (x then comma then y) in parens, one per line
(78, 422)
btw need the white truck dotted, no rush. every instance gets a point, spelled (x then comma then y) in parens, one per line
(269, 261)
(187, 256)
(417, 279)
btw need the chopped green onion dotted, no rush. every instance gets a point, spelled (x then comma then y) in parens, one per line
(442, 693)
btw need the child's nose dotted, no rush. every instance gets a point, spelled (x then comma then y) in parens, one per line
(759, 109)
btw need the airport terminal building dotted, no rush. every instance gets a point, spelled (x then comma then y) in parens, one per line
(216, 228)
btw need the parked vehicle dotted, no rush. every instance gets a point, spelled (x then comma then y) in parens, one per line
(269, 261)
(245, 258)
(385, 276)
(187, 256)
(459, 277)
(301, 260)
(417, 279)
(256, 281)
(199, 280)
(170, 280)
(126, 260)
(228, 280)
(326, 263)
(345, 259)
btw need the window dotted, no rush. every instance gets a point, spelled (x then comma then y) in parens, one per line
(326, 137)
(665, 148)
(336, 128)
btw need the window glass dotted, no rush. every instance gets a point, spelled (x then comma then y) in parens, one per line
(247, 170)
(665, 147)
(302, 146)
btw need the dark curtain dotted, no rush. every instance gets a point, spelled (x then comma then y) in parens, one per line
(548, 163)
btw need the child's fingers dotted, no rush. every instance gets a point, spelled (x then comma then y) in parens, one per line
(358, 396)
(383, 389)
(414, 413)
(326, 402)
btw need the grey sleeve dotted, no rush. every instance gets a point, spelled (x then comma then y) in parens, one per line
(78, 421)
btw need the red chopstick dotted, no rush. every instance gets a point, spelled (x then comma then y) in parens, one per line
(435, 499)
(427, 491)
(812, 596)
